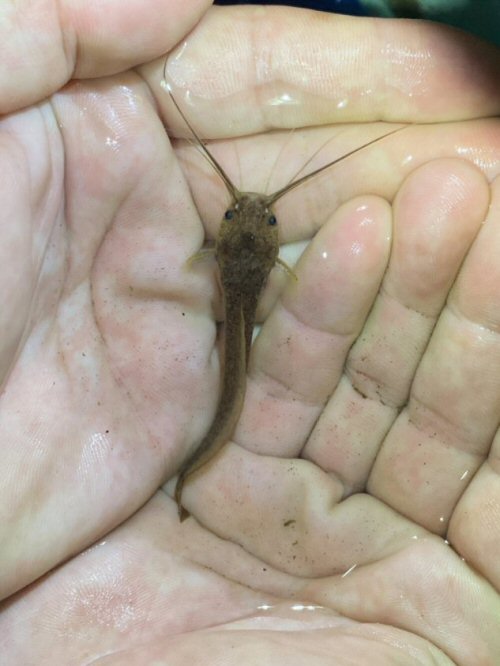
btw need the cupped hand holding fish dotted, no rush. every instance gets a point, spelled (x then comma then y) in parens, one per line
(367, 435)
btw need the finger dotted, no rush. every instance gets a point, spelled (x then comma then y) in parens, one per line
(313, 325)
(427, 590)
(289, 514)
(44, 44)
(437, 213)
(268, 75)
(475, 524)
(18, 257)
(444, 433)
(379, 169)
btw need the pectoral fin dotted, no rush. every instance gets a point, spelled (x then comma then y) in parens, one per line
(201, 255)
(287, 268)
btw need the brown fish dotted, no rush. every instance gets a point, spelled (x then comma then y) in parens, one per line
(246, 250)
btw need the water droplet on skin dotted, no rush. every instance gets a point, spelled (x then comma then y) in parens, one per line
(484, 158)
(349, 571)
(300, 608)
(356, 248)
(283, 100)
(176, 69)
(112, 143)
(295, 607)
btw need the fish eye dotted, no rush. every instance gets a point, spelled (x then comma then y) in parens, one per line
(229, 214)
(272, 220)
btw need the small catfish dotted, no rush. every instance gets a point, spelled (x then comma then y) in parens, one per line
(246, 251)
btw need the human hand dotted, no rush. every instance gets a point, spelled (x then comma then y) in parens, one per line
(117, 373)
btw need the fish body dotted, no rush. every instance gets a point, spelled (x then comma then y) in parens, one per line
(246, 250)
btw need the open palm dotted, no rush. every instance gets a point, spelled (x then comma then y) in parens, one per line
(355, 514)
